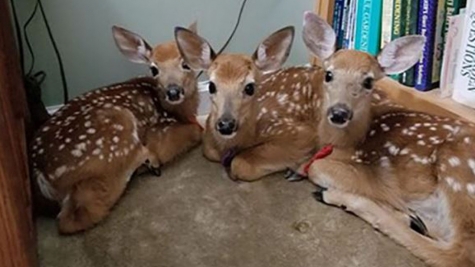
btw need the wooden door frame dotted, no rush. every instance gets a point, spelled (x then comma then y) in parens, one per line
(17, 232)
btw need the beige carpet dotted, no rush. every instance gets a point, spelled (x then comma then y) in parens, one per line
(192, 216)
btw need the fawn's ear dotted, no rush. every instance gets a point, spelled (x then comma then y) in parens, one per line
(272, 53)
(401, 54)
(193, 26)
(134, 47)
(194, 49)
(318, 36)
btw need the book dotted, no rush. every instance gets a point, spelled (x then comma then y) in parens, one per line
(368, 26)
(338, 21)
(349, 42)
(397, 25)
(438, 46)
(452, 7)
(344, 24)
(411, 13)
(426, 27)
(387, 22)
(464, 81)
(451, 51)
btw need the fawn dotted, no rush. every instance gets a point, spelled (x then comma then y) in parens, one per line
(268, 130)
(86, 153)
(409, 174)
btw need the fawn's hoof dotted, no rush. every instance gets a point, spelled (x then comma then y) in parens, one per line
(157, 171)
(293, 176)
(318, 194)
(418, 225)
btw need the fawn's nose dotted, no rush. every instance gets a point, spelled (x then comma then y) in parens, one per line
(174, 92)
(226, 126)
(339, 114)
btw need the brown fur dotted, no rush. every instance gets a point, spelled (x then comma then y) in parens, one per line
(84, 156)
(389, 160)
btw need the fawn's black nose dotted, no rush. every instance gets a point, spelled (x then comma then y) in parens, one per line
(226, 126)
(174, 92)
(339, 114)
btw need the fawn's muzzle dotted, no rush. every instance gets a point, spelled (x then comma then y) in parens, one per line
(339, 115)
(226, 126)
(174, 93)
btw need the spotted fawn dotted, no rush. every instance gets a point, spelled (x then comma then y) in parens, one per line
(409, 174)
(86, 153)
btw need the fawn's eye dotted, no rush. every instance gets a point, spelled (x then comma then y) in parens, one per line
(328, 76)
(249, 89)
(368, 83)
(212, 88)
(154, 71)
(185, 66)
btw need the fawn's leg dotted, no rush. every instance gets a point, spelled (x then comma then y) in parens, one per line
(166, 143)
(348, 176)
(276, 155)
(210, 151)
(389, 223)
(89, 202)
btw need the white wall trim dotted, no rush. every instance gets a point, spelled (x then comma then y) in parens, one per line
(53, 109)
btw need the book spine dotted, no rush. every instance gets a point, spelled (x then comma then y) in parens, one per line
(438, 46)
(452, 7)
(368, 26)
(410, 28)
(386, 22)
(451, 51)
(337, 21)
(344, 24)
(426, 27)
(464, 82)
(397, 25)
(352, 24)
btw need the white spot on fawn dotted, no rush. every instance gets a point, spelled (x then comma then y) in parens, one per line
(456, 186)
(115, 139)
(60, 171)
(471, 164)
(454, 161)
(471, 188)
(404, 151)
(91, 131)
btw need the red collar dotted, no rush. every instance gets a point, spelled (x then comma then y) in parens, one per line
(322, 153)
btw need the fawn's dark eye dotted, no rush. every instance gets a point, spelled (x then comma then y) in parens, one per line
(185, 66)
(249, 89)
(212, 88)
(368, 83)
(154, 70)
(328, 76)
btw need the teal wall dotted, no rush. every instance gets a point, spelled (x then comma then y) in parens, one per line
(83, 32)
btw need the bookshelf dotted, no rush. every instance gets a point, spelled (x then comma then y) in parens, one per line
(425, 101)
(428, 101)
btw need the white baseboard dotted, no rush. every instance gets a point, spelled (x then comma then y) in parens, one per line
(53, 109)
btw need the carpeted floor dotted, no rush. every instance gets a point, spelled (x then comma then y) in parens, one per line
(193, 216)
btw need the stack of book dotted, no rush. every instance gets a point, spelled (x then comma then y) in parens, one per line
(368, 25)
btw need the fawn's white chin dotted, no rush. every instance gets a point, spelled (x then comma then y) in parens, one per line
(340, 126)
(230, 136)
(176, 102)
